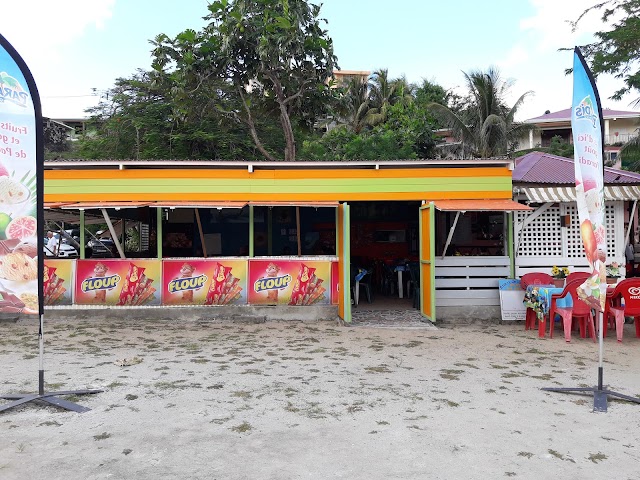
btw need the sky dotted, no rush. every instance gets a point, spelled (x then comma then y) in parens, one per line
(76, 49)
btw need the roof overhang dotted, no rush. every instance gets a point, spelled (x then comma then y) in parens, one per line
(295, 204)
(198, 204)
(501, 205)
(568, 194)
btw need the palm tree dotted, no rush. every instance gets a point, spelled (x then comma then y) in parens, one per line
(352, 106)
(486, 126)
(384, 93)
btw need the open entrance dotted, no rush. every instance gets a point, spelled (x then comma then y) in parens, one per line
(384, 267)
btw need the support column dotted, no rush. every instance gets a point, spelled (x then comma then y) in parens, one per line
(512, 260)
(159, 232)
(251, 231)
(82, 237)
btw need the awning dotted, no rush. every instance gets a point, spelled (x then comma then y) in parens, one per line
(501, 205)
(568, 194)
(198, 204)
(69, 216)
(98, 205)
(295, 204)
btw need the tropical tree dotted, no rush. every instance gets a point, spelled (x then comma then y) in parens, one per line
(616, 51)
(486, 124)
(266, 59)
(351, 105)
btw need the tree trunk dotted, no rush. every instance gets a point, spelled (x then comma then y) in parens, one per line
(285, 121)
(254, 132)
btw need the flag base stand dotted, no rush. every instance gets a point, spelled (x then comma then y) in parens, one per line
(600, 394)
(49, 398)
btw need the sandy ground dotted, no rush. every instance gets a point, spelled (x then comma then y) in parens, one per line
(317, 400)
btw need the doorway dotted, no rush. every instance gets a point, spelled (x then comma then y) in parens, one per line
(384, 246)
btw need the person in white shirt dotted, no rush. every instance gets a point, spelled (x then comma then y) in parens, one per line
(52, 243)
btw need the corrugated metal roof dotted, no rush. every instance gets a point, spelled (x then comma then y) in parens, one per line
(544, 168)
(64, 163)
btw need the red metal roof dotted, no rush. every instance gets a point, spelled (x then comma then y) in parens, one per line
(544, 168)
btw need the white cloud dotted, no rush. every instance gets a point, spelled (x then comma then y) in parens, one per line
(538, 65)
(45, 25)
(550, 24)
(40, 30)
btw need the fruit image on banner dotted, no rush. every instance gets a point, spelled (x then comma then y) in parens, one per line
(117, 282)
(58, 282)
(204, 282)
(289, 282)
(18, 196)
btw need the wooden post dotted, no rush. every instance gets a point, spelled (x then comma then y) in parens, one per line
(204, 247)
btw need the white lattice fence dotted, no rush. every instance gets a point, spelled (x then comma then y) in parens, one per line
(543, 243)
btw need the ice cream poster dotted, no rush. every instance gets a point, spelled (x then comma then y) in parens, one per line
(118, 282)
(289, 282)
(58, 282)
(586, 126)
(217, 281)
(335, 277)
(19, 287)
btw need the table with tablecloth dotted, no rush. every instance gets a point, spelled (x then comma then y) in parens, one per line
(538, 298)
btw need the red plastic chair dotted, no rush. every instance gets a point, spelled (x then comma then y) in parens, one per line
(533, 278)
(629, 290)
(578, 276)
(580, 311)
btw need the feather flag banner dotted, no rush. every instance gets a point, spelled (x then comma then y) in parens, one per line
(586, 126)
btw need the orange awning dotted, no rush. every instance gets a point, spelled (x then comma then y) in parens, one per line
(90, 205)
(501, 205)
(198, 204)
(295, 204)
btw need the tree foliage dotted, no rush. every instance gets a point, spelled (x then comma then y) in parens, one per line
(616, 50)
(485, 123)
(254, 59)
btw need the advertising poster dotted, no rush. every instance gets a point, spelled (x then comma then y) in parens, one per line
(289, 282)
(204, 282)
(58, 282)
(586, 127)
(19, 287)
(335, 278)
(132, 282)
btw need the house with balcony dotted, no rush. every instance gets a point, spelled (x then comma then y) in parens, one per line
(619, 127)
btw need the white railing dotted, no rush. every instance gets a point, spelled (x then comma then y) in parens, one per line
(469, 280)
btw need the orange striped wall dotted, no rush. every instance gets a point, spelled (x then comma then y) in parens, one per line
(429, 183)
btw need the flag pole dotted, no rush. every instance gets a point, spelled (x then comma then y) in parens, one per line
(587, 127)
(21, 109)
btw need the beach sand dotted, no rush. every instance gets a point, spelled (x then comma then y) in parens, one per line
(315, 400)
